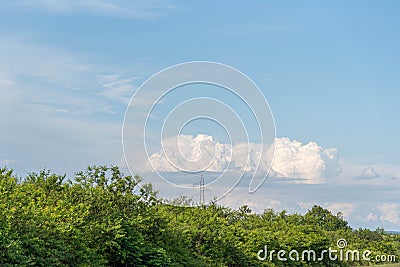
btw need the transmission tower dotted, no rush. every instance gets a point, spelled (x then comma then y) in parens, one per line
(201, 186)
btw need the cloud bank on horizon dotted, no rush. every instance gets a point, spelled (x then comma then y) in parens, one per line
(292, 159)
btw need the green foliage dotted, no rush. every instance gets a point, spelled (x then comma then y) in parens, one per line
(103, 218)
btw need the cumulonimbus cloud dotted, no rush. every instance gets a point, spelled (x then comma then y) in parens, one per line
(292, 159)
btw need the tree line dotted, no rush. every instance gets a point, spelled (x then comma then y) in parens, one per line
(103, 218)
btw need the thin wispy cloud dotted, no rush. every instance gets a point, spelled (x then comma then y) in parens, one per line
(120, 90)
(118, 8)
(68, 84)
(50, 109)
(6, 82)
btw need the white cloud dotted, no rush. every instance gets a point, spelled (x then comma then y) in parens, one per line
(6, 82)
(336, 207)
(390, 212)
(368, 173)
(292, 158)
(192, 153)
(371, 217)
(305, 205)
(5, 162)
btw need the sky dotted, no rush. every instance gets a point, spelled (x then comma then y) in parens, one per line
(328, 70)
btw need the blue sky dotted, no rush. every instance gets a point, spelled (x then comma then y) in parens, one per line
(329, 70)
